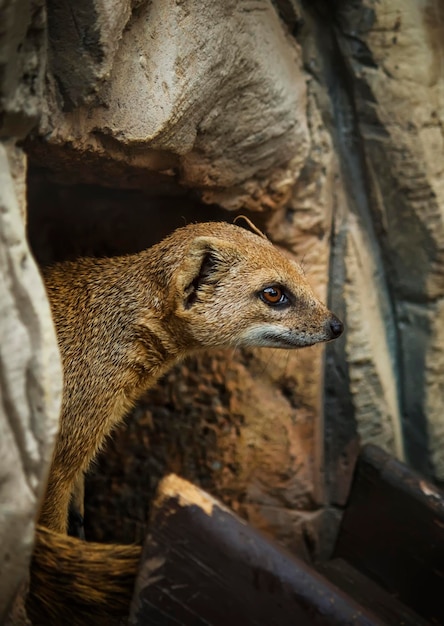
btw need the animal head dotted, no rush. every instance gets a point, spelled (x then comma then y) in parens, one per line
(234, 288)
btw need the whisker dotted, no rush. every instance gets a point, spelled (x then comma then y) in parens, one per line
(287, 361)
(266, 364)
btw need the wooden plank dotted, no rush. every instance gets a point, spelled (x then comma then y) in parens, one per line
(393, 531)
(202, 565)
(369, 594)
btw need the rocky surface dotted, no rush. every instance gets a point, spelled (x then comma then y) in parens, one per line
(31, 380)
(30, 370)
(209, 94)
(83, 40)
(388, 107)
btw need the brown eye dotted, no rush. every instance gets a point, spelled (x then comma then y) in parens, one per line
(273, 295)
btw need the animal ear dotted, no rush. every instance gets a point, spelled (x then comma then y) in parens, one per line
(207, 259)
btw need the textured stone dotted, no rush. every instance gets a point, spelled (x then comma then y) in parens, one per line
(373, 383)
(30, 375)
(84, 37)
(423, 358)
(409, 189)
(434, 387)
(380, 62)
(22, 65)
(400, 116)
(168, 104)
(18, 168)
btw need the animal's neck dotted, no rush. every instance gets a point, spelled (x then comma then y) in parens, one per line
(147, 312)
(128, 304)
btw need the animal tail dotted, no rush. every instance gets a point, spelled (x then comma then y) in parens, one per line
(80, 583)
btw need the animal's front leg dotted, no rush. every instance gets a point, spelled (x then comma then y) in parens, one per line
(54, 512)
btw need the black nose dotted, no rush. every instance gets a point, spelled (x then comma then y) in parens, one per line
(336, 327)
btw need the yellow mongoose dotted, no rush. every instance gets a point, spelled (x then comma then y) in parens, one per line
(123, 322)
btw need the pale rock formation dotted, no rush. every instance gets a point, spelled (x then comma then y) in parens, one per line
(394, 59)
(30, 369)
(83, 38)
(210, 94)
(31, 380)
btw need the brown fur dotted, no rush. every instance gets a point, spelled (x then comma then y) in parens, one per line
(78, 583)
(123, 322)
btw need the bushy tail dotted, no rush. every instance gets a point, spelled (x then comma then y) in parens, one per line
(80, 583)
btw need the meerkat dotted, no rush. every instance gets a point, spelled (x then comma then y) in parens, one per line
(122, 322)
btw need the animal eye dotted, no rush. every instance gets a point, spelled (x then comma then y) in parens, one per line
(273, 295)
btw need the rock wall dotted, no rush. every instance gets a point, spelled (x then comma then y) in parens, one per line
(382, 63)
(31, 383)
(188, 93)
(30, 370)
(321, 120)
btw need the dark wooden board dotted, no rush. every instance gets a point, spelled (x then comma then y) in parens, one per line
(370, 595)
(393, 531)
(203, 566)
